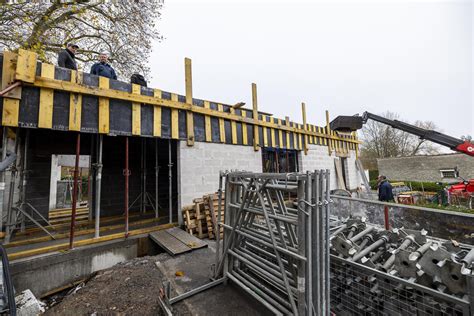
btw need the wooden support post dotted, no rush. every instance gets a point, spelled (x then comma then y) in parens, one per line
(244, 129)
(45, 115)
(11, 101)
(136, 111)
(233, 125)
(287, 123)
(189, 100)
(104, 121)
(75, 103)
(174, 119)
(207, 123)
(328, 130)
(220, 108)
(74, 191)
(280, 135)
(255, 117)
(26, 66)
(305, 127)
(157, 115)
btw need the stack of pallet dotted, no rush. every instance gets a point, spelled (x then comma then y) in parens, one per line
(211, 206)
(201, 217)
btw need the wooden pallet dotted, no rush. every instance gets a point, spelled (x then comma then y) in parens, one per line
(194, 219)
(211, 204)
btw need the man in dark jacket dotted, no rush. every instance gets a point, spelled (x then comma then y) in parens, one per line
(67, 57)
(102, 68)
(385, 189)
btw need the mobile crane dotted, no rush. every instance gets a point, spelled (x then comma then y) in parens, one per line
(352, 123)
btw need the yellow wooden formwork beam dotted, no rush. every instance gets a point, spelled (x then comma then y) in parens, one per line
(233, 125)
(26, 66)
(136, 111)
(104, 110)
(244, 129)
(172, 104)
(265, 133)
(189, 100)
(328, 130)
(280, 135)
(157, 115)
(207, 122)
(174, 119)
(272, 135)
(305, 127)
(85, 242)
(255, 117)
(75, 103)
(11, 101)
(45, 116)
(287, 123)
(220, 108)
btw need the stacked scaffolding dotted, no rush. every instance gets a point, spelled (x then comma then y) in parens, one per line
(277, 250)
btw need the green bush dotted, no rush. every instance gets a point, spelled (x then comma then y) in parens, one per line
(416, 186)
(373, 174)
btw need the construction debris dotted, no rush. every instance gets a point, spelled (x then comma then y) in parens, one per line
(28, 305)
(201, 217)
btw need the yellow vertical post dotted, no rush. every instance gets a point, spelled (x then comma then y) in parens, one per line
(45, 114)
(272, 135)
(104, 115)
(75, 103)
(244, 129)
(264, 131)
(220, 108)
(26, 66)
(305, 127)
(207, 122)
(174, 119)
(136, 111)
(287, 123)
(157, 115)
(255, 117)
(189, 101)
(280, 135)
(329, 133)
(233, 128)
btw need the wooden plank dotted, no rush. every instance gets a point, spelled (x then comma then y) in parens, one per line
(220, 108)
(104, 110)
(190, 241)
(174, 119)
(305, 127)
(8, 75)
(45, 116)
(26, 66)
(11, 112)
(264, 131)
(75, 103)
(244, 130)
(255, 117)
(280, 135)
(340, 178)
(233, 125)
(272, 135)
(287, 123)
(207, 122)
(157, 115)
(136, 112)
(295, 140)
(189, 100)
(328, 131)
(169, 243)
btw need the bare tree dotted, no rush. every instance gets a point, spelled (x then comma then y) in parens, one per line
(125, 29)
(382, 141)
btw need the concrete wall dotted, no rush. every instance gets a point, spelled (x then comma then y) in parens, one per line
(199, 166)
(425, 168)
(318, 158)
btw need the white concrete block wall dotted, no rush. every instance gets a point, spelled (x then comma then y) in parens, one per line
(318, 158)
(200, 164)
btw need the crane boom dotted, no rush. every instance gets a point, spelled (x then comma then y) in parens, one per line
(352, 123)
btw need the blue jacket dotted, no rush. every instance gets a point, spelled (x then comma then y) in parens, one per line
(104, 70)
(385, 191)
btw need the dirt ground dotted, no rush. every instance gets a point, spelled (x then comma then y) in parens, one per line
(130, 288)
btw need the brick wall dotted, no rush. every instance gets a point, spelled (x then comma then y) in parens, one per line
(200, 165)
(425, 168)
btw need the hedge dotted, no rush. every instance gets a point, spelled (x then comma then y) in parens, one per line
(416, 186)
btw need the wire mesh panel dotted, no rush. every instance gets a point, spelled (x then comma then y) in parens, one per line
(360, 290)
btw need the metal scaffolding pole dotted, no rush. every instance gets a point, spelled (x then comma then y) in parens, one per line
(126, 174)
(74, 191)
(98, 182)
(2, 175)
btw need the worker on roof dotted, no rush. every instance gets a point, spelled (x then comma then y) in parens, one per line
(67, 57)
(385, 189)
(103, 68)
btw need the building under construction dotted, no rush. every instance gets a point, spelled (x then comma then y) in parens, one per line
(91, 166)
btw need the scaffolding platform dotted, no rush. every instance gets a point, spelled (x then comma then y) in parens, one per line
(175, 241)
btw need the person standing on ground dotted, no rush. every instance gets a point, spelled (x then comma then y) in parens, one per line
(385, 189)
(67, 57)
(102, 68)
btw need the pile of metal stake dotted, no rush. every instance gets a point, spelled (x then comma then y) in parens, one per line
(399, 271)
(275, 249)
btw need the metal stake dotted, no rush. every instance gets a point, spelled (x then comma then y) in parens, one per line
(74, 194)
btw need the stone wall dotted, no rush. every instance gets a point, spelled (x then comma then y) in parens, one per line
(425, 168)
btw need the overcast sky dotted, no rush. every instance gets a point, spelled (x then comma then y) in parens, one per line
(414, 58)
